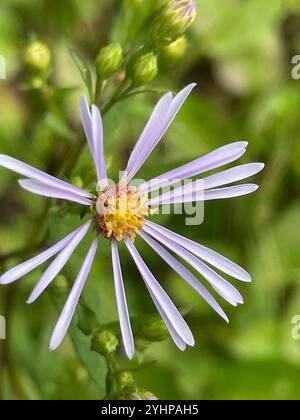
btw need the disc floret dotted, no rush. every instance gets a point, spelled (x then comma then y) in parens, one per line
(120, 212)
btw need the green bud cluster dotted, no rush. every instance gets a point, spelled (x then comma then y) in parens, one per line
(38, 56)
(170, 54)
(109, 60)
(125, 378)
(144, 69)
(173, 20)
(104, 342)
(152, 330)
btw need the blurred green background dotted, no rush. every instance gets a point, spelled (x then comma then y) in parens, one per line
(240, 55)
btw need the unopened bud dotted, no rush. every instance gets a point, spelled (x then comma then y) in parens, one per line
(174, 19)
(109, 61)
(125, 378)
(173, 52)
(104, 342)
(145, 69)
(153, 330)
(38, 56)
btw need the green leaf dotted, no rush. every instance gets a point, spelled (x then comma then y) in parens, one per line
(84, 72)
(57, 125)
(93, 362)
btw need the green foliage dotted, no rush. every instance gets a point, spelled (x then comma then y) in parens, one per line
(84, 72)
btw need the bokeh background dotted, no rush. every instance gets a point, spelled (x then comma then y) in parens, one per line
(239, 54)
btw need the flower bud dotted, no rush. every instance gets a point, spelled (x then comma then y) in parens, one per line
(145, 69)
(153, 330)
(174, 19)
(173, 52)
(38, 56)
(125, 378)
(109, 60)
(104, 342)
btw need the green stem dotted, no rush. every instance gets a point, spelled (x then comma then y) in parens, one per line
(112, 384)
(100, 84)
(116, 97)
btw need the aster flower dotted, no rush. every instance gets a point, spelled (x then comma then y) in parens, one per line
(121, 212)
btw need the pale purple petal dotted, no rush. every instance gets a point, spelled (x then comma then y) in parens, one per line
(121, 302)
(162, 117)
(216, 281)
(229, 176)
(168, 306)
(225, 296)
(176, 338)
(192, 191)
(86, 120)
(98, 147)
(181, 196)
(179, 268)
(206, 254)
(187, 192)
(93, 127)
(21, 270)
(212, 160)
(60, 261)
(33, 173)
(230, 192)
(235, 174)
(68, 311)
(150, 133)
(37, 187)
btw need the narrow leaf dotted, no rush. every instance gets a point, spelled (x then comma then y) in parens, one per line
(84, 72)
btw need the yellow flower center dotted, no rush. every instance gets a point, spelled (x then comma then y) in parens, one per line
(120, 212)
